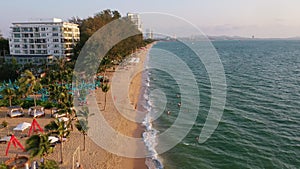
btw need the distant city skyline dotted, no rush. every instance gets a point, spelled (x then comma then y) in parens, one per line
(263, 19)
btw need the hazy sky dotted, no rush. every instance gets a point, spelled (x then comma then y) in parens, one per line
(262, 18)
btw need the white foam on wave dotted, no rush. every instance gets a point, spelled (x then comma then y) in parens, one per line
(150, 136)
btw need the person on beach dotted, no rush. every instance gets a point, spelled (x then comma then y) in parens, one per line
(179, 104)
(78, 165)
(42, 160)
(168, 112)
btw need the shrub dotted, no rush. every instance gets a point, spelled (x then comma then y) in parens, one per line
(3, 166)
(49, 164)
(4, 123)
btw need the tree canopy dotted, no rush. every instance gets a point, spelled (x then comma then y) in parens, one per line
(90, 25)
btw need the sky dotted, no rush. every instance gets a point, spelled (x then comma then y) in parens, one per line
(261, 18)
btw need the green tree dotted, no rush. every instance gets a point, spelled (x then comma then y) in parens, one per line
(29, 84)
(4, 46)
(9, 70)
(38, 145)
(61, 128)
(105, 89)
(9, 93)
(82, 123)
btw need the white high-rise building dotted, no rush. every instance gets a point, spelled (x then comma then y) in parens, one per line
(149, 34)
(136, 19)
(42, 41)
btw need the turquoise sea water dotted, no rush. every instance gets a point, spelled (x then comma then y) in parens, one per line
(260, 126)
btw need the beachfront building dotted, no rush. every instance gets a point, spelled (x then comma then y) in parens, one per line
(136, 19)
(42, 41)
(148, 34)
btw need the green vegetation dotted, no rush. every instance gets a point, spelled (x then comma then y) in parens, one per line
(82, 124)
(61, 129)
(29, 84)
(105, 89)
(39, 145)
(4, 123)
(8, 93)
(118, 52)
(49, 164)
(3, 166)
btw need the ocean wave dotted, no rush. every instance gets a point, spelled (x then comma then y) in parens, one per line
(150, 140)
(150, 134)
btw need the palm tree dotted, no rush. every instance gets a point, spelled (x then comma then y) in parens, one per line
(29, 84)
(61, 128)
(39, 145)
(105, 89)
(82, 124)
(9, 93)
(82, 127)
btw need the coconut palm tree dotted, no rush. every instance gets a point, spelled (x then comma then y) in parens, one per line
(82, 123)
(82, 127)
(38, 145)
(61, 128)
(9, 93)
(105, 89)
(29, 84)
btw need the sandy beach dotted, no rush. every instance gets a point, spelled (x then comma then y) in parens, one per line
(94, 157)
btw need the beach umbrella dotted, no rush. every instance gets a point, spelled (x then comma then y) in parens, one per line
(65, 119)
(15, 142)
(33, 127)
(53, 139)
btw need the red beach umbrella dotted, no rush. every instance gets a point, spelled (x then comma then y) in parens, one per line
(15, 142)
(33, 127)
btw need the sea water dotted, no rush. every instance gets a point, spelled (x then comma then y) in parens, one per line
(261, 120)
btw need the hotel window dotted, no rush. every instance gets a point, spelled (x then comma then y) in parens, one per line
(16, 40)
(37, 35)
(56, 51)
(55, 40)
(24, 29)
(17, 46)
(17, 35)
(55, 29)
(43, 35)
(16, 29)
(56, 45)
(43, 29)
(55, 34)
(17, 51)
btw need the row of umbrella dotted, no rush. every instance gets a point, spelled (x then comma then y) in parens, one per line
(34, 127)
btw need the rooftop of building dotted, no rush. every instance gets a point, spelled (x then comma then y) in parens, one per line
(43, 21)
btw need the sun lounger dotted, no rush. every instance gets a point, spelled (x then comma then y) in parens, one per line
(15, 111)
(36, 111)
(5, 139)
